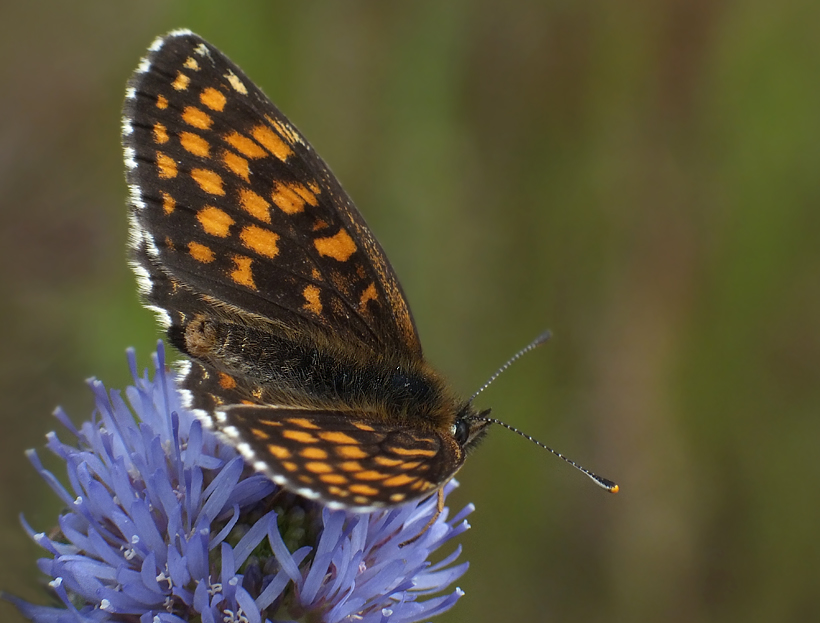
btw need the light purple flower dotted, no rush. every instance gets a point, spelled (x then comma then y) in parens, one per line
(164, 523)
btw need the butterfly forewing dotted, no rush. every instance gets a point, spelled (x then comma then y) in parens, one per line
(231, 201)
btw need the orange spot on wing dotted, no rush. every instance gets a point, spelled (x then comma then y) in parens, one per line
(215, 221)
(237, 165)
(162, 102)
(340, 247)
(194, 144)
(338, 492)
(242, 274)
(260, 434)
(167, 166)
(351, 466)
(181, 82)
(397, 497)
(168, 203)
(271, 141)
(305, 194)
(201, 253)
(411, 451)
(262, 241)
(397, 481)
(363, 489)
(370, 474)
(333, 479)
(299, 435)
(292, 197)
(314, 453)
(387, 462)
(190, 63)
(337, 437)
(244, 145)
(362, 426)
(254, 205)
(197, 117)
(351, 452)
(303, 422)
(213, 99)
(278, 451)
(160, 133)
(317, 467)
(226, 381)
(209, 181)
(313, 302)
(369, 294)
(285, 130)
(290, 466)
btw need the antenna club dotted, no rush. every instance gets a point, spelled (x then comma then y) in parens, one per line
(546, 336)
(604, 483)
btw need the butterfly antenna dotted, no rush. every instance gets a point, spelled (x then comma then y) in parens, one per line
(604, 483)
(541, 339)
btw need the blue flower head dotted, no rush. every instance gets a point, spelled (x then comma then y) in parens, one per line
(165, 523)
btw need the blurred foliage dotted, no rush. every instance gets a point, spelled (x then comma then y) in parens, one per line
(640, 177)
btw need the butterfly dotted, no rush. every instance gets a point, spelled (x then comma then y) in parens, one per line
(301, 348)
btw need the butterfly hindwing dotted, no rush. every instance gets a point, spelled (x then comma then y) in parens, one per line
(340, 458)
(230, 201)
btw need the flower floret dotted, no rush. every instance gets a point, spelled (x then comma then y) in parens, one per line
(164, 522)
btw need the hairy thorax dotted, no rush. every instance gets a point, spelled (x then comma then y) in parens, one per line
(306, 366)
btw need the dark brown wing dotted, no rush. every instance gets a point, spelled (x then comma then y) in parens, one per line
(230, 205)
(341, 458)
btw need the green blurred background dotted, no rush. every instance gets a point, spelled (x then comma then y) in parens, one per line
(639, 176)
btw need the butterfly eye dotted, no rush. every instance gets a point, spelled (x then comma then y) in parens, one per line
(461, 431)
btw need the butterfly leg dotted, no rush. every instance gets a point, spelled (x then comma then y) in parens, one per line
(439, 508)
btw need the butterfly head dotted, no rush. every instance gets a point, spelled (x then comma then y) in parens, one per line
(470, 427)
